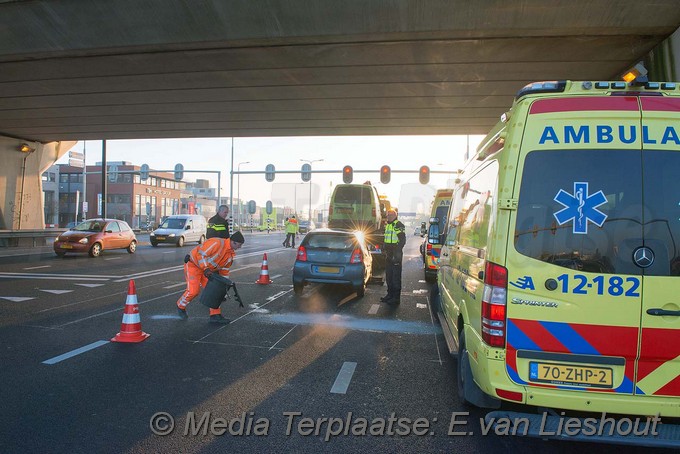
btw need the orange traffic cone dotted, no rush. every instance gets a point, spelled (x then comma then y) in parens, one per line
(131, 328)
(264, 272)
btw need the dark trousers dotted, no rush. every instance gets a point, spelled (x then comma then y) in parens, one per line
(393, 280)
(290, 240)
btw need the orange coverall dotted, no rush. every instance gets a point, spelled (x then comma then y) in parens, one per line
(215, 254)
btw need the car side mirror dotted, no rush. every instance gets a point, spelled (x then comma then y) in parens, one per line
(187, 227)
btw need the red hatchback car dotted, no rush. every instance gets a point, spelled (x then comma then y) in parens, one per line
(95, 235)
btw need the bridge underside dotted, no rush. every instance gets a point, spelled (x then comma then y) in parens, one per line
(183, 68)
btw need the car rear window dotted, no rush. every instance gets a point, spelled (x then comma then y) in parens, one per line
(560, 197)
(330, 241)
(353, 194)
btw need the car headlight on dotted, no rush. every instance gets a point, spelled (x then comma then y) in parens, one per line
(152, 234)
(171, 235)
(83, 241)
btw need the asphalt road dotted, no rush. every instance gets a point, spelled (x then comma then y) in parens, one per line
(267, 382)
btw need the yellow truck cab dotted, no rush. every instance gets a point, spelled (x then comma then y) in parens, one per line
(559, 280)
(432, 245)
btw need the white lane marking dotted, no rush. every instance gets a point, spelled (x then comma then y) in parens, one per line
(436, 342)
(48, 275)
(420, 292)
(90, 285)
(421, 306)
(16, 299)
(56, 292)
(38, 267)
(276, 295)
(77, 351)
(274, 277)
(422, 281)
(344, 378)
(169, 252)
(374, 309)
(176, 285)
(113, 258)
(56, 277)
(117, 310)
(284, 336)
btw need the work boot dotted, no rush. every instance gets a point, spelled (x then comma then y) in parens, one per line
(384, 298)
(182, 314)
(217, 318)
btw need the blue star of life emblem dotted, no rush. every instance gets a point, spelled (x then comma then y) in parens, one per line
(580, 207)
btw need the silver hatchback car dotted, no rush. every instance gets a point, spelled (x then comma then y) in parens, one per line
(333, 257)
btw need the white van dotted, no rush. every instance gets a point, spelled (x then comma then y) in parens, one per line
(178, 229)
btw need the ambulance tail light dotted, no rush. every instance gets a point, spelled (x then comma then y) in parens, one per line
(494, 305)
(330, 211)
(429, 249)
(553, 86)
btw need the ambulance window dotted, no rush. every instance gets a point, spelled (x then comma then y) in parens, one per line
(579, 176)
(662, 211)
(475, 216)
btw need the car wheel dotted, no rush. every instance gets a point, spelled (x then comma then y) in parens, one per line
(297, 289)
(180, 242)
(201, 240)
(132, 247)
(361, 291)
(154, 243)
(60, 254)
(96, 250)
(462, 367)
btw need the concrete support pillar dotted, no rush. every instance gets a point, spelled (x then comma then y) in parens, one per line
(21, 198)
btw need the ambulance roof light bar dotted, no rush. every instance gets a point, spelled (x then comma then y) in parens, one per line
(553, 86)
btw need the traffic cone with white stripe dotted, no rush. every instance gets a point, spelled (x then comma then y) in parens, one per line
(131, 328)
(264, 272)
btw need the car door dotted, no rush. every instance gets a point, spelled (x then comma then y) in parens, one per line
(114, 239)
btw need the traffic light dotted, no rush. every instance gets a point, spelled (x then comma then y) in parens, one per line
(424, 174)
(347, 174)
(306, 172)
(144, 172)
(252, 207)
(269, 172)
(179, 172)
(385, 174)
(268, 207)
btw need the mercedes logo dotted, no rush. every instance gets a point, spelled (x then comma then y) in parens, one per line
(643, 257)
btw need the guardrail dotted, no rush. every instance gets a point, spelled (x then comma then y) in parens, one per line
(28, 238)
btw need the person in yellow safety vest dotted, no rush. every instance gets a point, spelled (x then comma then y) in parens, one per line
(218, 225)
(291, 230)
(395, 239)
(215, 255)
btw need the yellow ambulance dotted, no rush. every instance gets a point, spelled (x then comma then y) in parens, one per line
(432, 245)
(559, 280)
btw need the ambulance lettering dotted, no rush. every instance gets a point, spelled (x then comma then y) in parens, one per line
(605, 134)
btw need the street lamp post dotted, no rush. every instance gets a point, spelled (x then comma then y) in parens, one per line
(310, 162)
(238, 192)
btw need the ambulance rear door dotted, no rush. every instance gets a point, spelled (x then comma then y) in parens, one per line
(574, 295)
(657, 253)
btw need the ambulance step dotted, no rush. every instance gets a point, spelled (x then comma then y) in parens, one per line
(598, 429)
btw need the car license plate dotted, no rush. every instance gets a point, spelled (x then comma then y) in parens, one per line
(160, 238)
(349, 210)
(66, 246)
(328, 269)
(563, 374)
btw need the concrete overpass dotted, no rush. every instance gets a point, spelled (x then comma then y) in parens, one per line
(101, 69)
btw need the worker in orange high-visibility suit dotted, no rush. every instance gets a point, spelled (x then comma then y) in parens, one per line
(215, 255)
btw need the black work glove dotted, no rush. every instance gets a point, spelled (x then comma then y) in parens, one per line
(207, 273)
(396, 257)
(187, 258)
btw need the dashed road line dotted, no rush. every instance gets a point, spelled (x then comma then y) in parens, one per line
(72, 353)
(344, 378)
(374, 309)
(38, 267)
